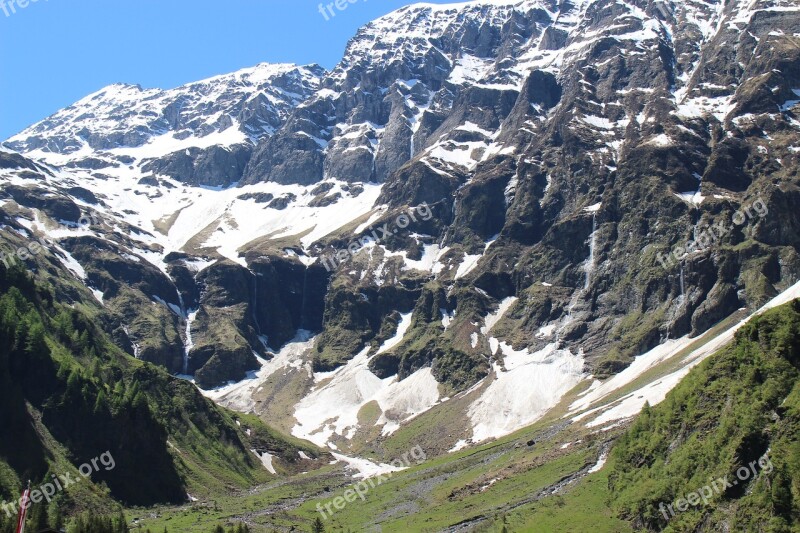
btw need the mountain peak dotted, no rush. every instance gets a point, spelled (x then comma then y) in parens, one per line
(255, 100)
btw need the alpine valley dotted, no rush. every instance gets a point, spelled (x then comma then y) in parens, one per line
(554, 244)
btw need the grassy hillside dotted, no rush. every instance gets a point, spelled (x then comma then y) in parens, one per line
(738, 413)
(723, 449)
(69, 395)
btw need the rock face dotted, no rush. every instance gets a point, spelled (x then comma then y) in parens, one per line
(216, 166)
(615, 173)
(224, 116)
(405, 80)
(57, 206)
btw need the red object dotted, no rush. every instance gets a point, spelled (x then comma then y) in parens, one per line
(23, 509)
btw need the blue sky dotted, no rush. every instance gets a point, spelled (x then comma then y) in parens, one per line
(54, 52)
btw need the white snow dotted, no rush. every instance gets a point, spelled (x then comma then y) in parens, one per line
(333, 407)
(791, 103)
(211, 217)
(601, 461)
(239, 396)
(467, 265)
(189, 343)
(545, 332)
(655, 392)
(589, 267)
(640, 365)
(494, 317)
(411, 397)
(662, 141)
(447, 318)
(530, 385)
(719, 107)
(460, 445)
(365, 468)
(470, 69)
(431, 255)
(266, 460)
(374, 217)
(98, 294)
(402, 328)
(598, 122)
(694, 198)
(144, 109)
(70, 262)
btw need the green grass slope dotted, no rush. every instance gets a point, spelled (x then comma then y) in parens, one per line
(68, 395)
(741, 406)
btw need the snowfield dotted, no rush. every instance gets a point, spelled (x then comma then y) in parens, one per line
(523, 390)
(333, 407)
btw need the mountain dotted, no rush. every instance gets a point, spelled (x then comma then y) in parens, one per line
(562, 148)
(482, 209)
(201, 133)
(70, 396)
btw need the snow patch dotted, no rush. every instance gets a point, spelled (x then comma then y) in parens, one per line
(333, 408)
(239, 396)
(402, 328)
(266, 460)
(365, 468)
(525, 390)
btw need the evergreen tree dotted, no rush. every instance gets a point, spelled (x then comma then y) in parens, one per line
(58, 518)
(782, 493)
(35, 344)
(318, 526)
(37, 518)
(120, 524)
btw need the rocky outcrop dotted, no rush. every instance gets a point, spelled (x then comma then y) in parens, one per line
(57, 206)
(216, 166)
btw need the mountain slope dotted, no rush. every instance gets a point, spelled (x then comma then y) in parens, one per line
(739, 407)
(495, 231)
(70, 395)
(558, 158)
(201, 133)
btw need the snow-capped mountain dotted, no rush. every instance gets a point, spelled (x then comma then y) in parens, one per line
(561, 148)
(202, 133)
(395, 91)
